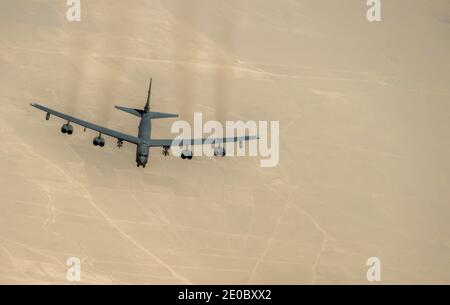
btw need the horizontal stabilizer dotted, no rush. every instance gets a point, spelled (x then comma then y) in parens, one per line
(136, 112)
(162, 115)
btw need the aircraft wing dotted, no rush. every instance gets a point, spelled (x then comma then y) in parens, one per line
(103, 130)
(184, 142)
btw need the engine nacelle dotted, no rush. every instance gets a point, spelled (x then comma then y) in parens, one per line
(219, 152)
(186, 154)
(99, 141)
(67, 128)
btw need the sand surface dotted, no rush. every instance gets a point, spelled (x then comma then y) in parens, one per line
(364, 142)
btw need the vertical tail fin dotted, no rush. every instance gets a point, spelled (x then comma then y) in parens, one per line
(147, 105)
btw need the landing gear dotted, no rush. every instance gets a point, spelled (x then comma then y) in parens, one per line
(165, 151)
(119, 143)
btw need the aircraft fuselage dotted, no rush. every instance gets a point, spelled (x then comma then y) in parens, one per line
(145, 130)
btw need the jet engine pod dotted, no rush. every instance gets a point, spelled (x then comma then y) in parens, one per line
(67, 128)
(219, 151)
(99, 141)
(186, 154)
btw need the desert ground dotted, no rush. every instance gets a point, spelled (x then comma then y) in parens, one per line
(364, 165)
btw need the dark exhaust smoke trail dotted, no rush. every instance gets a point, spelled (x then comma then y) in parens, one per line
(185, 54)
(117, 31)
(108, 90)
(224, 35)
(75, 74)
(216, 20)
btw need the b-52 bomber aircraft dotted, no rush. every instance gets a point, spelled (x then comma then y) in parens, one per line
(143, 141)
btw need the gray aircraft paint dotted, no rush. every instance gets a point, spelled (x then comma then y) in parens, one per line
(145, 130)
(143, 141)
